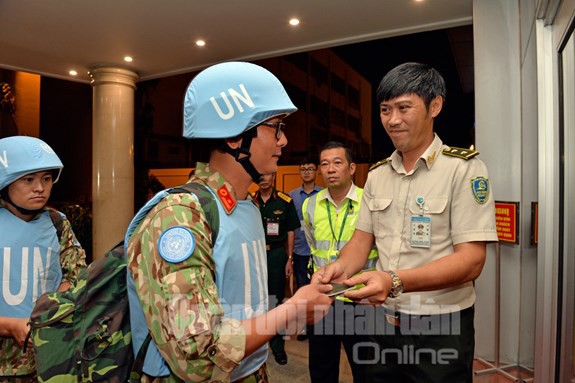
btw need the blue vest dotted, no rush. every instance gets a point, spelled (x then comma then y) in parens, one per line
(29, 262)
(241, 279)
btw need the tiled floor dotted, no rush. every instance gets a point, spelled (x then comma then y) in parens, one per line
(485, 374)
(296, 371)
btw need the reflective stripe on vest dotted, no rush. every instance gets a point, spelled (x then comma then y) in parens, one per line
(324, 246)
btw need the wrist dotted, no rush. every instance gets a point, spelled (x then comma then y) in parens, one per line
(396, 284)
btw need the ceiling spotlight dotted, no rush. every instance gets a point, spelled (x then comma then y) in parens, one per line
(200, 43)
(294, 22)
(73, 72)
(128, 59)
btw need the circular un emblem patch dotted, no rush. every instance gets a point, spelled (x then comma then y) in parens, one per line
(176, 244)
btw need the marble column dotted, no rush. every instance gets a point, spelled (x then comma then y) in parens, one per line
(113, 155)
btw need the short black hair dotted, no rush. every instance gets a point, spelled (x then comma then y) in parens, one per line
(412, 78)
(308, 160)
(336, 145)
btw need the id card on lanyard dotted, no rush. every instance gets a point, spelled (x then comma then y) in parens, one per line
(337, 240)
(421, 227)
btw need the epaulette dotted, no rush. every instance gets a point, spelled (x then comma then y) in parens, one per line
(384, 161)
(284, 196)
(460, 152)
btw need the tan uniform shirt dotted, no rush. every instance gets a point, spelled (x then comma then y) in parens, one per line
(455, 206)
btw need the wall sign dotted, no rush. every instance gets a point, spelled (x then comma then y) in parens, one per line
(506, 221)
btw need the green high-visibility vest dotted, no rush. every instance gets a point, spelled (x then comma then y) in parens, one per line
(330, 229)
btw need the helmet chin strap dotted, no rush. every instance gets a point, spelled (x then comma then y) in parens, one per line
(5, 197)
(244, 152)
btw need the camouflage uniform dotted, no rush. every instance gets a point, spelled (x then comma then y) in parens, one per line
(12, 361)
(180, 300)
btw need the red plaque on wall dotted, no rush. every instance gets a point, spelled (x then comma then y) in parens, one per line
(506, 221)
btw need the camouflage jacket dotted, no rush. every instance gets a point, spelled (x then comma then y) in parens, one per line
(180, 300)
(72, 259)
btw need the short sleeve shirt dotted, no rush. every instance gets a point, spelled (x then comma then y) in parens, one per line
(457, 214)
(299, 195)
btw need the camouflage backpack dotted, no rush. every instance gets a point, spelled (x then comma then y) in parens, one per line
(83, 334)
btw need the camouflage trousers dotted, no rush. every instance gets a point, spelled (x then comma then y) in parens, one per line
(19, 379)
(260, 376)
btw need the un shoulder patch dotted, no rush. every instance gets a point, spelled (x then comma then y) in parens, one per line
(480, 189)
(379, 163)
(176, 244)
(460, 152)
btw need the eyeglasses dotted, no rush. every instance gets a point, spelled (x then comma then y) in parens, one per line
(307, 170)
(280, 126)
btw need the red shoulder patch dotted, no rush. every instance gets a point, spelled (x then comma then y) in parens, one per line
(227, 200)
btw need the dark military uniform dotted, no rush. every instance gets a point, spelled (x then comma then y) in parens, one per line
(279, 216)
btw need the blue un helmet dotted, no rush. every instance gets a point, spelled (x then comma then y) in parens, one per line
(21, 155)
(226, 100)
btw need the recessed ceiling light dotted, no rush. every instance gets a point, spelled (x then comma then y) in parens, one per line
(200, 43)
(73, 72)
(294, 22)
(128, 59)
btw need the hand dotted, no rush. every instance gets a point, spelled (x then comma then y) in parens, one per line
(332, 272)
(376, 290)
(311, 304)
(289, 267)
(65, 285)
(18, 328)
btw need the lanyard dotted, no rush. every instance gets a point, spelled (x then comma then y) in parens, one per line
(349, 208)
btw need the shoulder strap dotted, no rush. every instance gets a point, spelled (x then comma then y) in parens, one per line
(379, 163)
(463, 153)
(284, 196)
(57, 221)
(207, 201)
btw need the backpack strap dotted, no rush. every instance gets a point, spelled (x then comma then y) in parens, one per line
(138, 365)
(208, 202)
(58, 222)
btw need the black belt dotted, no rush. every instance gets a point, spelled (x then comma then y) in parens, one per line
(275, 245)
